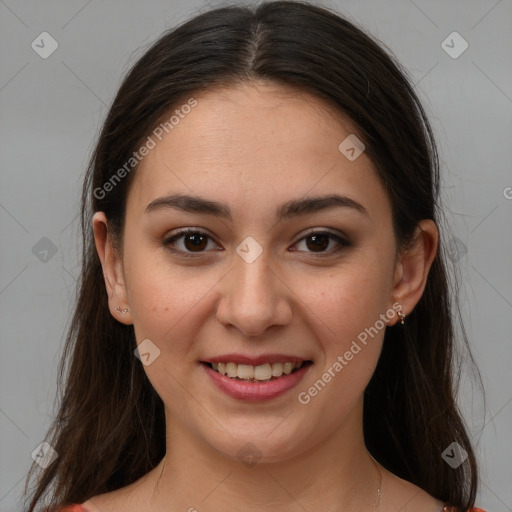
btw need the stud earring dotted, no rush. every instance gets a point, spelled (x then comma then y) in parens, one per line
(402, 317)
(122, 310)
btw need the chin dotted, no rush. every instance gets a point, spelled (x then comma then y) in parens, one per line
(260, 446)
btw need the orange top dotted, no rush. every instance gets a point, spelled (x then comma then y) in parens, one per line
(79, 508)
(447, 508)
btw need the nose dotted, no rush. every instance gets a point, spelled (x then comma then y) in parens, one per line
(254, 298)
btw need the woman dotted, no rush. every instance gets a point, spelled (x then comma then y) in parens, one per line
(220, 355)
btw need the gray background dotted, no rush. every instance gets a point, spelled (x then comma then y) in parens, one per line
(52, 109)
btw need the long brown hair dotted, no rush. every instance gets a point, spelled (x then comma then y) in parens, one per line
(110, 426)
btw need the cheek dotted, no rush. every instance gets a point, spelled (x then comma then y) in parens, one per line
(349, 299)
(169, 302)
(161, 306)
(155, 293)
(349, 331)
(349, 306)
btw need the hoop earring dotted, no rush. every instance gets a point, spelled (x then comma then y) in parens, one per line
(122, 310)
(402, 317)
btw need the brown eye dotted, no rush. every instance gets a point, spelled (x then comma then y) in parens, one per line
(193, 241)
(196, 242)
(318, 243)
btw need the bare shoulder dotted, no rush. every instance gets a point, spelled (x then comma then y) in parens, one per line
(128, 499)
(92, 505)
(400, 494)
(131, 498)
(107, 502)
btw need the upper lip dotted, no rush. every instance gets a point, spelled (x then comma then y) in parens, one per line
(255, 360)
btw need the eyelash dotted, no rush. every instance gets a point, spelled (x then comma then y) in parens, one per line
(343, 243)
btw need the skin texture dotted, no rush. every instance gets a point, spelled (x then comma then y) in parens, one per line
(255, 146)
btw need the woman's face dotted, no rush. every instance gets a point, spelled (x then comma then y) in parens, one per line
(256, 282)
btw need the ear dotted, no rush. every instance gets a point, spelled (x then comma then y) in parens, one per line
(112, 264)
(412, 267)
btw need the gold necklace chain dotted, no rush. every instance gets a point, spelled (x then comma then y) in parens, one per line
(378, 501)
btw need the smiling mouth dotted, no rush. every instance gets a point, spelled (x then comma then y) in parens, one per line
(260, 373)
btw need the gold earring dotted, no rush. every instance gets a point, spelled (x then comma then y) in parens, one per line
(402, 317)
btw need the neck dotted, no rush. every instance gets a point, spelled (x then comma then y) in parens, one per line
(333, 471)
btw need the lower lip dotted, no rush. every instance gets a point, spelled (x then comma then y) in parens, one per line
(250, 391)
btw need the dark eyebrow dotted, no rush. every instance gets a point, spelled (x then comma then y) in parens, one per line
(293, 208)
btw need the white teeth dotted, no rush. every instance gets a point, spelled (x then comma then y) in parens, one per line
(245, 371)
(277, 370)
(231, 369)
(261, 372)
(288, 367)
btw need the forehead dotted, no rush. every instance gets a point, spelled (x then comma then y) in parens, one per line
(254, 143)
